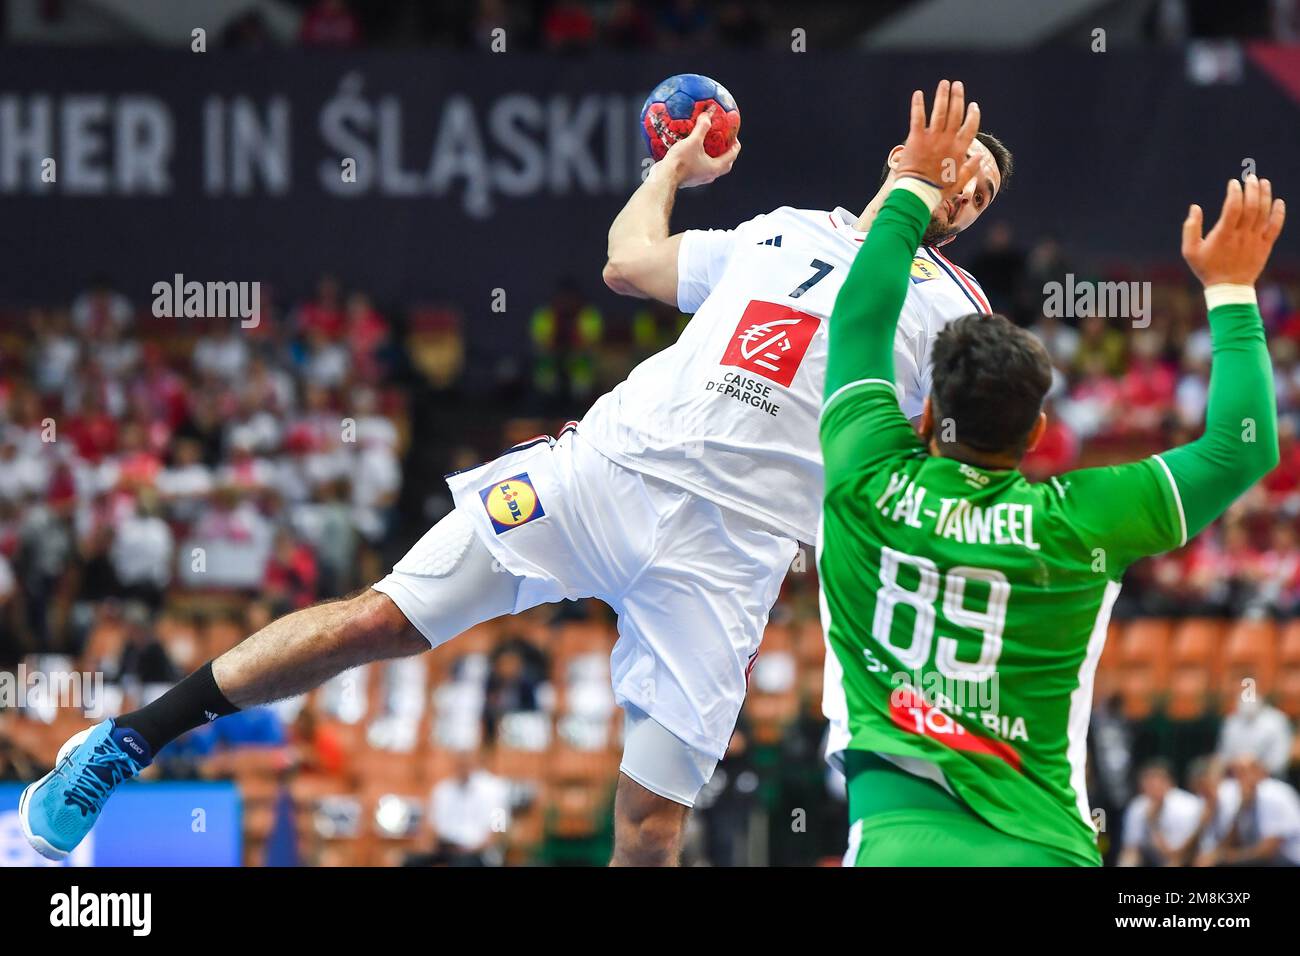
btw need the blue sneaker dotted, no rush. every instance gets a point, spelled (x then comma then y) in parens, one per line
(58, 810)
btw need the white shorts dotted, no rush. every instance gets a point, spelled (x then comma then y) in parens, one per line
(692, 583)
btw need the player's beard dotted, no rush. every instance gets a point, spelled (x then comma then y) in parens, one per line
(937, 232)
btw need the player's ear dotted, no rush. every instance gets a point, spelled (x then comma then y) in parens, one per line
(1036, 433)
(924, 424)
(895, 156)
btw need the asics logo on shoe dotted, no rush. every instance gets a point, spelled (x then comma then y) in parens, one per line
(130, 742)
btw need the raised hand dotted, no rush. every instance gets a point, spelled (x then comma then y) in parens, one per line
(937, 152)
(690, 164)
(1238, 246)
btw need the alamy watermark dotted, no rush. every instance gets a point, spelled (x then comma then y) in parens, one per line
(179, 299)
(46, 690)
(1110, 300)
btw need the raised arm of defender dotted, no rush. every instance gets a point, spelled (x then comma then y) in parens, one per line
(1239, 445)
(933, 166)
(642, 256)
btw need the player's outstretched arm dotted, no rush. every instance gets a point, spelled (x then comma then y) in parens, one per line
(932, 166)
(1239, 445)
(642, 257)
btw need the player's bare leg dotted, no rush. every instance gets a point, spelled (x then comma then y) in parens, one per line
(289, 656)
(303, 650)
(647, 827)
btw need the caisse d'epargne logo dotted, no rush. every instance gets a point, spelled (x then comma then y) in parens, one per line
(771, 340)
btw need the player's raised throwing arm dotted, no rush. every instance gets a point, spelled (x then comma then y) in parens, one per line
(642, 256)
(931, 168)
(1239, 445)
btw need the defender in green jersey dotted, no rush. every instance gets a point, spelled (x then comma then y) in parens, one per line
(965, 607)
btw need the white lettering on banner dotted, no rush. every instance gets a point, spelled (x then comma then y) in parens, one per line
(105, 145)
(515, 145)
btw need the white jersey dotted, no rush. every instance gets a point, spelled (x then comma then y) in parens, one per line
(730, 410)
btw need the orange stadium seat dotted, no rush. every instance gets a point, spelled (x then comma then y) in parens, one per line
(810, 644)
(1144, 664)
(1288, 650)
(1200, 640)
(1112, 651)
(1189, 691)
(1250, 654)
(1286, 690)
(582, 637)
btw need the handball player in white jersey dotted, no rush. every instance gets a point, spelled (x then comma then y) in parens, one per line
(678, 499)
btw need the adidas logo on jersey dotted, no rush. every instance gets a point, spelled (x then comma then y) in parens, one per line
(774, 241)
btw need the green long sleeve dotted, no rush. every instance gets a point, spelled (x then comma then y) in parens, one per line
(866, 311)
(1239, 445)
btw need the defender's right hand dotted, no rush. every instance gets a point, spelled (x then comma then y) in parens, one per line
(937, 153)
(1237, 248)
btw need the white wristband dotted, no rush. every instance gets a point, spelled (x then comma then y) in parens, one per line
(928, 193)
(1229, 293)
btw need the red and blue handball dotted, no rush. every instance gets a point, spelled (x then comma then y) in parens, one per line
(670, 111)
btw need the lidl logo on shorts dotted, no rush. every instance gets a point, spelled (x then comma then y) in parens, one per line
(512, 502)
(923, 270)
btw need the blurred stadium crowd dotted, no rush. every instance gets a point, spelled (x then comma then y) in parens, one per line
(573, 26)
(167, 486)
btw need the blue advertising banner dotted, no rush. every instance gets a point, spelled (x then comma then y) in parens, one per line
(145, 824)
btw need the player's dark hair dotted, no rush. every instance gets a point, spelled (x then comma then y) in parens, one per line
(1001, 155)
(990, 378)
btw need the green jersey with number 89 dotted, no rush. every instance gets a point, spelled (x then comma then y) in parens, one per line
(985, 599)
(965, 608)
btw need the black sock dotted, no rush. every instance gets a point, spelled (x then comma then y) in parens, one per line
(191, 703)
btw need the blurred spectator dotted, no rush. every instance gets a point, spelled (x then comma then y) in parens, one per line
(513, 686)
(1257, 730)
(368, 338)
(329, 23)
(568, 26)
(324, 313)
(9, 646)
(17, 763)
(223, 352)
(1256, 820)
(1062, 342)
(685, 24)
(319, 748)
(727, 804)
(57, 352)
(1160, 821)
(566, 333)
(1101, 348)
(45, 553)
(1147, 386)
(628, 26)
(1000, 265)
(470, 811)
(141, 552)
(1056, 451)
(101, 307)
(741, 24)
(290, 575)
(247, 31)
